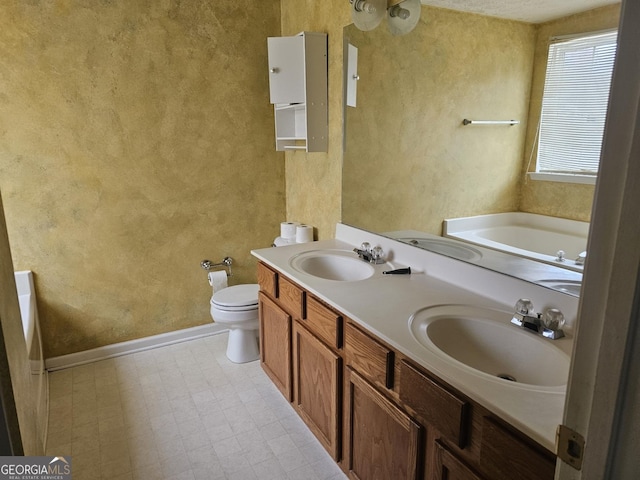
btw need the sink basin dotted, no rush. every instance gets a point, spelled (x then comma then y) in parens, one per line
(483, 340)
(337, 265)
(444, 247)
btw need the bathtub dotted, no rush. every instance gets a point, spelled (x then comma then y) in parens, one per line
(31, 329)
(528, 235)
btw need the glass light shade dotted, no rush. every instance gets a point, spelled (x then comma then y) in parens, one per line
(403, 17)
(367, 14)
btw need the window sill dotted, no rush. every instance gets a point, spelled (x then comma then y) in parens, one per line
(563, 178)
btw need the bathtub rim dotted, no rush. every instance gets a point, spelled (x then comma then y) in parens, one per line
(466, 229)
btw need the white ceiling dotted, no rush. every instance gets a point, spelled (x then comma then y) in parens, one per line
(531, 11)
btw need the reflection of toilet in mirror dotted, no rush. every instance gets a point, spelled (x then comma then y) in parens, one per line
(237, 309)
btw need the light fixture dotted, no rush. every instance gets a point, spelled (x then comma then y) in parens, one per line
(367, 14)
(403, 17)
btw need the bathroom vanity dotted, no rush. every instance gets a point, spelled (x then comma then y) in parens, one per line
(385, 404)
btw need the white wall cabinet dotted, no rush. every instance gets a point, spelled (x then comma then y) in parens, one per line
(298, 90)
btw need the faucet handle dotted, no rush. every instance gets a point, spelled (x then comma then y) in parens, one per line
(377, 254)
(365, 247)
(525, 306)
(552, 323)
(553, 319)
(525, 316)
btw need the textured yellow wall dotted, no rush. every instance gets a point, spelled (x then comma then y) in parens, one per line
(314, 180)
(136, 139)
(410, 163)
(565, 200)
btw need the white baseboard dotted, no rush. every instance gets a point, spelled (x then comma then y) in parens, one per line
(132, 346)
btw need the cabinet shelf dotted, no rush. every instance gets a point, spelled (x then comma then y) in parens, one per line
(298, 91)
(293, 106)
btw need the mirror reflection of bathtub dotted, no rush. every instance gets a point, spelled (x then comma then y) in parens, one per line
(556, 241)
(524, 267)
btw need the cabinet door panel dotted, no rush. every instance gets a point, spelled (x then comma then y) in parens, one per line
(286, 69)
(317, 379)
(383, 440)
(275, 343)
(449, 467)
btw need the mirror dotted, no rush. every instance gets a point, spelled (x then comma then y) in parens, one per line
(409, 161)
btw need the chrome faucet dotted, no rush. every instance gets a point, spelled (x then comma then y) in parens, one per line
(548, 324)
(370, 254)
(525, 316)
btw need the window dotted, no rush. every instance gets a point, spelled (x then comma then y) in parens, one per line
(574, 106)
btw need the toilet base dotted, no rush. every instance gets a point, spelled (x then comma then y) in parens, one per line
(242, 346)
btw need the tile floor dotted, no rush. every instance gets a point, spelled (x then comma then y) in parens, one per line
(180, 412)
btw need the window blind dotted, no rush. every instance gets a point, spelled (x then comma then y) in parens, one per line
(574, 103)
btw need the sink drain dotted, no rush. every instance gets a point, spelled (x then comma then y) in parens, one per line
(506, 376)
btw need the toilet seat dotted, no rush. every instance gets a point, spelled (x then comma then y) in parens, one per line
(239, 298)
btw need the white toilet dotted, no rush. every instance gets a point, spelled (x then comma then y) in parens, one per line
(237, 308)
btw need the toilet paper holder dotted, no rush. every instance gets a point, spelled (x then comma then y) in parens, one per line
(225, 263)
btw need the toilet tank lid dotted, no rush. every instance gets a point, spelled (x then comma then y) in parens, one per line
(236, 296)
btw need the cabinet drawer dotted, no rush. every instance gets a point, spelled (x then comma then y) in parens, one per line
(505, 455)
(268, 280)
(368, 356)
(324, 322)
(291, 297)
(443, 410)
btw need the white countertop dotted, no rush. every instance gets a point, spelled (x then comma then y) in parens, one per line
(383, 305)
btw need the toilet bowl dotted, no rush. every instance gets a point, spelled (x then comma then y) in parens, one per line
(237, 308)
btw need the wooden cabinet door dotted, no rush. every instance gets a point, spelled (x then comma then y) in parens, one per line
(275, 343)
(316, 380)
(449, 467)
(383, 440)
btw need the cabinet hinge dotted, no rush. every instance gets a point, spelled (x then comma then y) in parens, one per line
(570, 446)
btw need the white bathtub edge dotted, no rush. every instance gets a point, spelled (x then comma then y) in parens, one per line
(132, 346)
(24, 282)
(28, 315)
(473, 230)
(478, 222)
